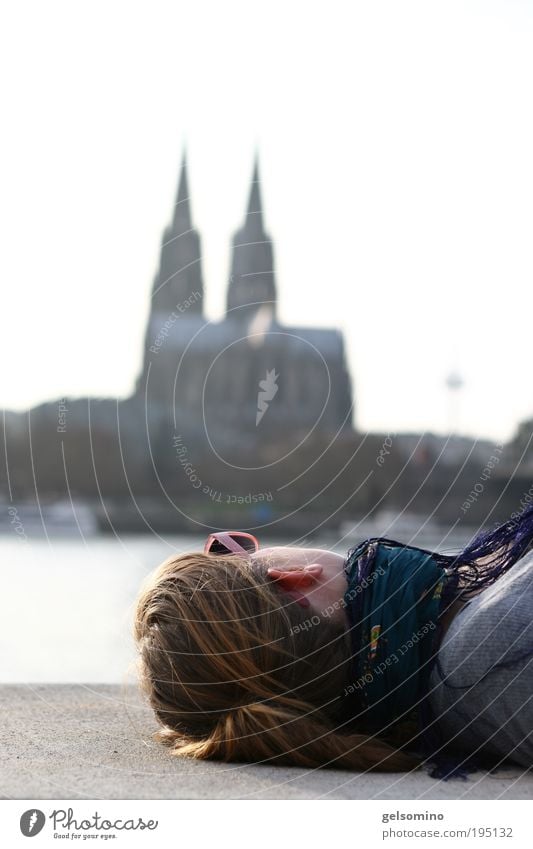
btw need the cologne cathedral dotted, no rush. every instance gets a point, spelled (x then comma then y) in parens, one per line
(247, 380)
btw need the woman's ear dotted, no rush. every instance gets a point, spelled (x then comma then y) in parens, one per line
(292, 578)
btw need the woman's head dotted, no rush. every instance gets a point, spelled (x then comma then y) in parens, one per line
(235, 669)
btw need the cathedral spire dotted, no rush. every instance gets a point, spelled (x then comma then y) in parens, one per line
(252, 285)
(254, 215)
(182, 221)
(178, 283)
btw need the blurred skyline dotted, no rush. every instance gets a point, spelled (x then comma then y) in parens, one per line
(394, 144)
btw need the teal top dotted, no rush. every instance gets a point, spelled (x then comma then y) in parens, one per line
(392, 602)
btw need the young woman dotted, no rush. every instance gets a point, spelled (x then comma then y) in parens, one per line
(381, 660)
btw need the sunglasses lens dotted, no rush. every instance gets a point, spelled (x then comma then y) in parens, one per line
(217, 547)
(247, 544)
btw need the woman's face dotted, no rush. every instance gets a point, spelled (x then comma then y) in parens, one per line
(317, 581)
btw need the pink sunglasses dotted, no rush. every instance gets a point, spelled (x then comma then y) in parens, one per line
(230, 542)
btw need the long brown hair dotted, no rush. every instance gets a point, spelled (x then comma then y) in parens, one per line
(232, 673)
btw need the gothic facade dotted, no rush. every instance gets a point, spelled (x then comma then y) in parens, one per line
(247, 378)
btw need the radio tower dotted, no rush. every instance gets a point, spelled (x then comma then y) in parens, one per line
(454, 384)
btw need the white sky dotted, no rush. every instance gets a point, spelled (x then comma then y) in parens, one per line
(395, 144)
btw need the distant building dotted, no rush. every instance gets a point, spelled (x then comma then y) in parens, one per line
(246, 378)
(520, 454)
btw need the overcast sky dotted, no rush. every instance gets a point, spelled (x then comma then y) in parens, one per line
(395, 145)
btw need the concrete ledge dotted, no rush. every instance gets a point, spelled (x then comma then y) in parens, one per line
(92, 741)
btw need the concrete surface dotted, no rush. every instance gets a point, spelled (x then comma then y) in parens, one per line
(92, 741)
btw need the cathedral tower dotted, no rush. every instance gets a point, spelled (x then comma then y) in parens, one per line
(179, 278)
(177, 294)
(252, 284)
